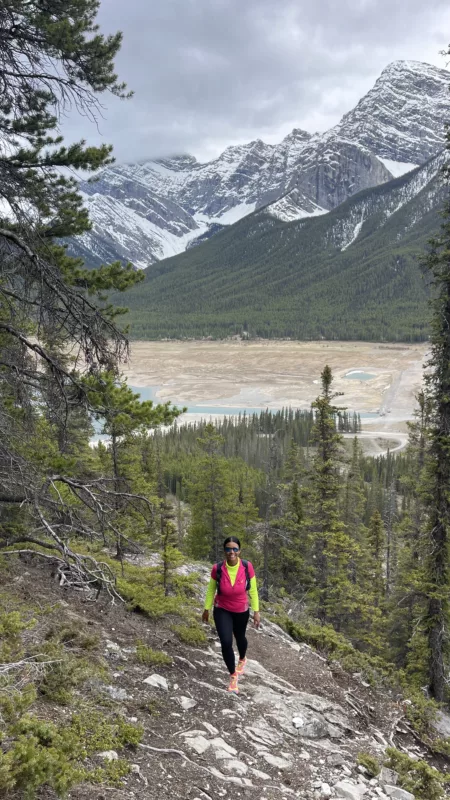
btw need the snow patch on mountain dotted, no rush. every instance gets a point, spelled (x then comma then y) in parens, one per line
(397, 168)
(355, 234)
(228, 217)
(291, 207)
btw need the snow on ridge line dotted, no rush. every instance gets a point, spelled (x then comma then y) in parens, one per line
(356, 232)
(282, 211)
(397, 168)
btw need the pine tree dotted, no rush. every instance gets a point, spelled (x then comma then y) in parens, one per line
(336, 595)
(437, 578)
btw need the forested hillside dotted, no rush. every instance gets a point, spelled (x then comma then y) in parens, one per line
(352, 274)
(105, 545)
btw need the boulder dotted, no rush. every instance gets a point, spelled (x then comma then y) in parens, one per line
(350, 791)
(388, 776)
(158, 681)
(398, 794)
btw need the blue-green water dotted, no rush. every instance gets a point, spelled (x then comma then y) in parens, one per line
(150, 393)
(359, 376)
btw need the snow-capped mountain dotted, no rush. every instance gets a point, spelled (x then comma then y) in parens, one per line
(149, 211)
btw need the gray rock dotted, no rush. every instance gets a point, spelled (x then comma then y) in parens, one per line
(263, 776)
(397, 793)
(326, 790)
(186, 703)
(336, 760)
(276, 761)
(198, 743)
(388, 776)
(210, 728)
(235, 766)
(116, 693)
(158, 681)
(222, 746)
(113, 647)
(350, 791)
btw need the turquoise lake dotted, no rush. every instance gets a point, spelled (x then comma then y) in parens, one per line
(359, 376)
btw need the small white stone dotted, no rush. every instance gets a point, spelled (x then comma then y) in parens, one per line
(158, 681)
(109, 755)
(186, 702)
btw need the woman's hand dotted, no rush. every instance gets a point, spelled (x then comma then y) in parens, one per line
(256, 619)
(205, 616)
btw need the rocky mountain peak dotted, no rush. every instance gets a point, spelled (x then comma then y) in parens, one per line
(148, 211)
(403, 117)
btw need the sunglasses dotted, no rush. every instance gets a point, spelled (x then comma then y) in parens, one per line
(232, 549)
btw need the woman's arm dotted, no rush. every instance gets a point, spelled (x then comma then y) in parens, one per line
(253, 595)
(210, 593)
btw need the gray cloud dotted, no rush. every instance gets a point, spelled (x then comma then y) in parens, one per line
(208, 73)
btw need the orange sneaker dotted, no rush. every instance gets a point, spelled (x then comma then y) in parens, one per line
(233, 687)
(242, 663)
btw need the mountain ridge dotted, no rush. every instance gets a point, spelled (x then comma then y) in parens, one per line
(149, 211)
(350, 274)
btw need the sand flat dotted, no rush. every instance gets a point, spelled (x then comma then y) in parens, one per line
(270, 373)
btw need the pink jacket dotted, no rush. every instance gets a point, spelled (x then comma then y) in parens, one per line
(233, 598)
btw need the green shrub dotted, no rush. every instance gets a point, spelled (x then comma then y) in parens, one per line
(370, 763)
(41, 753)
(112, 772)
(417, 777)
(337, 648)
(64, 672)
(191, 634)
(146, 655)
(73, 636)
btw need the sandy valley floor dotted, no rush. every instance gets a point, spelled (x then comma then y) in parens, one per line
(281, 373)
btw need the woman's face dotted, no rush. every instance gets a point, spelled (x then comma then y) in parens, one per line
(232, 553)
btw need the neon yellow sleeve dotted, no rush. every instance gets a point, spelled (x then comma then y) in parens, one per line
(253, 595)
(210, 592)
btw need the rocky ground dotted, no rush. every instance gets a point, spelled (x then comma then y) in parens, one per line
(295, 729)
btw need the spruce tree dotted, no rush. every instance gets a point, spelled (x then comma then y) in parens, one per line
(337, 597)
(437, 565)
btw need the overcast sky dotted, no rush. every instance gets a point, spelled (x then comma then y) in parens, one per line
(209, 73)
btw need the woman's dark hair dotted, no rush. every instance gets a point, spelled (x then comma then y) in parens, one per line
(232, 539)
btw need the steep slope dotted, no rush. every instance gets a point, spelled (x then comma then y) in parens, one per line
(294, 731)
(350, 274)
(150, 211)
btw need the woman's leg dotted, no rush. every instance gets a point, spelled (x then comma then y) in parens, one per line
(224, 625)
(240, 622)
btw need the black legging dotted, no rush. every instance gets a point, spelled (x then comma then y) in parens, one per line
(227, 623)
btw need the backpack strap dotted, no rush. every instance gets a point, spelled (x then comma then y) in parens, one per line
(247, 574)
(219, 568)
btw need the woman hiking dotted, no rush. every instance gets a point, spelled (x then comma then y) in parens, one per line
(230, 581)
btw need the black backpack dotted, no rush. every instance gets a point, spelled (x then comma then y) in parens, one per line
(219, 575)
